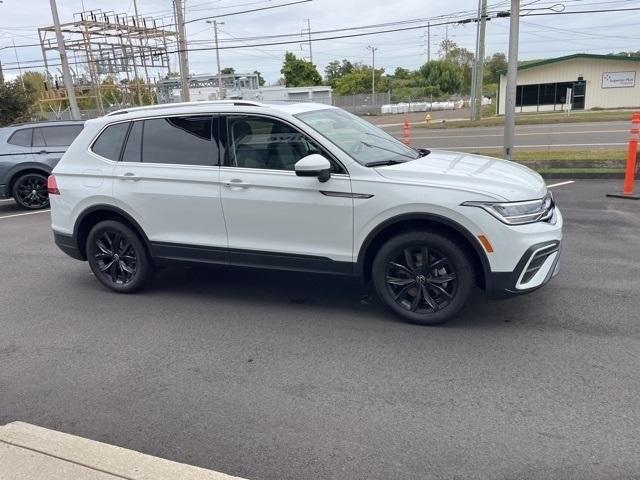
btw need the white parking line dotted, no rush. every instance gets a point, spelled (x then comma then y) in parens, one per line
(7, 200)
(22, 214)
(559, 184)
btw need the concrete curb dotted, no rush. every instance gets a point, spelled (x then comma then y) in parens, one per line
(28, 452)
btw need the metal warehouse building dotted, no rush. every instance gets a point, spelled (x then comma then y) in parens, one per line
(595, 81)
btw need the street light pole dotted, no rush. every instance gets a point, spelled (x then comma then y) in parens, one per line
(373, 72)
(512, 78)
(66, 74)
(215, 36)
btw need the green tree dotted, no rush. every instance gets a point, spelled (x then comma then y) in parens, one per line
(494, 66)
(402, 74)
(35, 80)
(15, 102)
(445, 75)
(298, 72)
(358, 80)
(261, 80)
(334, 70)
(228, 71)
(460, 56)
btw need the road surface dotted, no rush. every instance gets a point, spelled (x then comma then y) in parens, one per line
(269, 375)
(562, 136)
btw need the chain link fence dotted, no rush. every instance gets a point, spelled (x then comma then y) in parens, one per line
(362, 104)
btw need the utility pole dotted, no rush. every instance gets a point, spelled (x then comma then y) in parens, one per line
(309, 32)
(215, 35)
(66, 75)
(182, 51)
(1, 75)
(480, 61)
(512, 78)
(474, 68)
(428, 41)
(373, 73)
(15, 51)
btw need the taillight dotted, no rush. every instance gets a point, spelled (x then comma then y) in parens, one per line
(52, 186)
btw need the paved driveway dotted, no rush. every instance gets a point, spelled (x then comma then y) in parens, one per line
(285, 376)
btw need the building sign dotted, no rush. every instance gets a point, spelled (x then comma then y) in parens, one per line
(618, 79)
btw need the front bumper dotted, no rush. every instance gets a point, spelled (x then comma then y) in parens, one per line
(68, 244)
(538, 265)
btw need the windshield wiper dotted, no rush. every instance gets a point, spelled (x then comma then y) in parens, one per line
(381, 163)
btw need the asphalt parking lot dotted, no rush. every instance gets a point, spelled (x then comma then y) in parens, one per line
(270, 375)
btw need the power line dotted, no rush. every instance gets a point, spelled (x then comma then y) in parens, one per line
(245, 11)
(378, 32)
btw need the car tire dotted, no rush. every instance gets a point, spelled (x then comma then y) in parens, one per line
(425, 293)
(117, 257)
(30, 191)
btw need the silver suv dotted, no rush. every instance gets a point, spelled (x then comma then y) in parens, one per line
(28, 153)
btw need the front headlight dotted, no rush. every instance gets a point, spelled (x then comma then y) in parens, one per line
(519, 213)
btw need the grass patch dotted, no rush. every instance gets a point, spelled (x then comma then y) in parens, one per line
(602, 155)
(579, 170)
(537, 119)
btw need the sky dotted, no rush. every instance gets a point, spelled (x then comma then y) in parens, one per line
(540, 36)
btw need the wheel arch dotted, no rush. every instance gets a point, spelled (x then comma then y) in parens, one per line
(97, 213)
(23, 169)
(422, 221)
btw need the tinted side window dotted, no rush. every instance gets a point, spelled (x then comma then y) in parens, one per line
(179, 140)
(62, 135)
(38, 138)
(256, 142)
(21, 138)
(133, 149)
(109, 143)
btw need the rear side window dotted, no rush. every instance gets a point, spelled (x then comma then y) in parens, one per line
(179, 140)
(58, 136)
(22, 138)
(133, 149)
(109, 143)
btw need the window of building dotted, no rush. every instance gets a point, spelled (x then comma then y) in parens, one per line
(179, 140)
(109, 143)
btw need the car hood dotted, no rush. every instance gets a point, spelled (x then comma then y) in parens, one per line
(496, 178)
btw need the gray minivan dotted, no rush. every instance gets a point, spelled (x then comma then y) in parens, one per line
(28, 153)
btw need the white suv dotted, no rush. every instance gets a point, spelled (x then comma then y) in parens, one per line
(300, 187)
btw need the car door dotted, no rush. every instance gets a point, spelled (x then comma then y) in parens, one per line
(273, 217)
(168, 180)
(50, 143)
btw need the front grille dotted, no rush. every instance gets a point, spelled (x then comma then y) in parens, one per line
(537, 261)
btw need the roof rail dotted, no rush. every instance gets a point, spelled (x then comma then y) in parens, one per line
(161, 106)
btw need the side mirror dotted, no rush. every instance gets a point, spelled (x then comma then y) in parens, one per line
(314, 166)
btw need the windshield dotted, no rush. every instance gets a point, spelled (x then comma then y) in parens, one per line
(364, 142)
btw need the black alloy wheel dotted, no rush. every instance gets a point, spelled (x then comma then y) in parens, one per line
(117, 257)
(423, 277)
(30, 191)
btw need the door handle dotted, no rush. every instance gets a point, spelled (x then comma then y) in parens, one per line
(129, 176)
(236, 183)
(43, 151)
